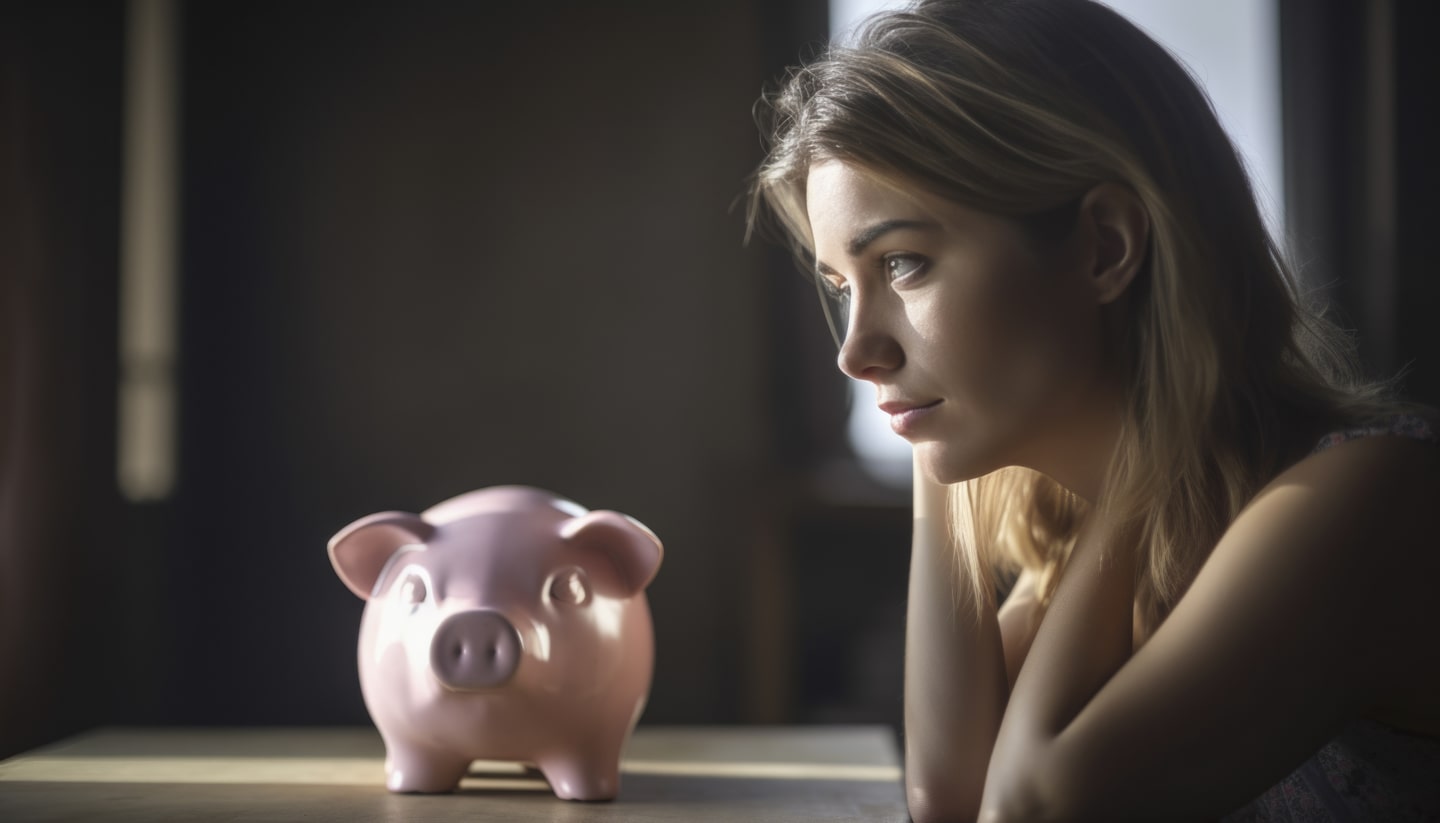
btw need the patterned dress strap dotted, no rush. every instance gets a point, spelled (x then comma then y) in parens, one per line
(1412, 426)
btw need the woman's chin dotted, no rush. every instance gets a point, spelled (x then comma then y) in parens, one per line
(944, 462)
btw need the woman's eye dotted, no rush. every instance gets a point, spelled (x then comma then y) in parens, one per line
(900, 266)
(833, 290)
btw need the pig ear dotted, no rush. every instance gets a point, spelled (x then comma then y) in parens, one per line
(634, 549)
(360, 550)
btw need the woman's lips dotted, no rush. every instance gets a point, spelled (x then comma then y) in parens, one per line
(904, 417)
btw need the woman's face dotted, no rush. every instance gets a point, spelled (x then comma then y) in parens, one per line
(985, 351)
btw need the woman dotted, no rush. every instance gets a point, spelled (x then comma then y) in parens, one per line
(1033, 237)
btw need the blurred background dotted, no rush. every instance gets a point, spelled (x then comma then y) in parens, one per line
(266, 268)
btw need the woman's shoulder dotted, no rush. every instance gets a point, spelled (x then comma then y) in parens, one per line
(1381, 474)
(1345, 542)
(1359, 508)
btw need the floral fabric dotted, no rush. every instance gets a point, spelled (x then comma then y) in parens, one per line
(1403, 425)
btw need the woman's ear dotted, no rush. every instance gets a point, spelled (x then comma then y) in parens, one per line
(1120, 229)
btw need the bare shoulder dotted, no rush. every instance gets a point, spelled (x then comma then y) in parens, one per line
(1360, 523)
(1347, 497)
(1369, 507)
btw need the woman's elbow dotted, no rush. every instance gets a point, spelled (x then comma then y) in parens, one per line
(1011, 813)
(1026, 799)
(940, 800)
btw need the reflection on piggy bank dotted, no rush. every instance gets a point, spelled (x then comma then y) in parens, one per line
(503, 624)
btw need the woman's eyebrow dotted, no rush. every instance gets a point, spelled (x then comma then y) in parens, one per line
(870, 234)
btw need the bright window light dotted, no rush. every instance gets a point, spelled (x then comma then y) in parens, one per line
(146, 439)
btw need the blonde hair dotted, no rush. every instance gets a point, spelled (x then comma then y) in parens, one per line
(1018, 107)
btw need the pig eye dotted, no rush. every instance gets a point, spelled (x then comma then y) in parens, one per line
(570, 586)
(413, 591)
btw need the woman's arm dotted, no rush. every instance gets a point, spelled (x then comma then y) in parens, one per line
(1296, 625)
(1087, 635)
(1019, 618)
(955, 682)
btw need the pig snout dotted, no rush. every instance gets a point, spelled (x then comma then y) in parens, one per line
(475, 650)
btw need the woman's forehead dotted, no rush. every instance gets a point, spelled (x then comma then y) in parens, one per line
(843, 196)
(835, 185)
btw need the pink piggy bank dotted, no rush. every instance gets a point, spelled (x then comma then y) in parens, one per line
(503, 624)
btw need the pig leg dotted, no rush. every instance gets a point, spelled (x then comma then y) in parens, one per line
(412, 769)
(583, 774)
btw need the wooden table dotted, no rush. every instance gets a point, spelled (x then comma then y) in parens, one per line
(735, 773)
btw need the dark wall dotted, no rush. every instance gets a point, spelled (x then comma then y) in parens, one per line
(1417, 213)
(60, 538)
(424, 248)
(1361, 174)
(438, 246)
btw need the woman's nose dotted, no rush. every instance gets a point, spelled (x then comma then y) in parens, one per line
(869, 350)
